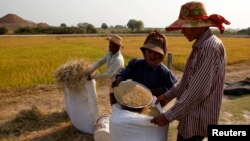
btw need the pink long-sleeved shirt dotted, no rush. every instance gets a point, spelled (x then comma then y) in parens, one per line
(199, 92)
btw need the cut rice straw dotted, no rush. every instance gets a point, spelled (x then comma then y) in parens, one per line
(72, 74)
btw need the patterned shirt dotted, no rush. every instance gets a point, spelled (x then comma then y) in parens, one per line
(199, 92)
(115, 63)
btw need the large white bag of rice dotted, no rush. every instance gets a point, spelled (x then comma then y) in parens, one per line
(82, 107)
(131, 126)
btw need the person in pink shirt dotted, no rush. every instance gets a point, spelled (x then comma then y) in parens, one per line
(199, 93)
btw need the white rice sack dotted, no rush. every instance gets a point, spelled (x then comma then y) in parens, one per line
(82, 107)
(130, 126)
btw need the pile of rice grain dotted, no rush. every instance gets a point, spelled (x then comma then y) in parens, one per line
(150, 111)
(72, 74)
(132, 95)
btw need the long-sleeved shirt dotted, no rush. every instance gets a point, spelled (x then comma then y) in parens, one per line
(199, 93)
(158, 77)
(115, 63)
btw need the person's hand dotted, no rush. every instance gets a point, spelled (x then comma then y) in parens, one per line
(89, 77)
(112, 98)
(163, 101)
(116, 82)
(156, 92)
(160, 120)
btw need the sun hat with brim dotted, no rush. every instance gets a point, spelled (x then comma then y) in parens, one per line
(115, 39)
(193, 15)
(155, 45)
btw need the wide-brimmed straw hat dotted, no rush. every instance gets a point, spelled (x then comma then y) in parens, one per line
(115, 39)
(193, 14)
(154, 44)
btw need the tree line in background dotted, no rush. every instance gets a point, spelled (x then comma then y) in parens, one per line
(81, 28)
(133, 26)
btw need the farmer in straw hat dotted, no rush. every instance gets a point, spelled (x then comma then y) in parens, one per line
(114, 60)
(149, 71)
(199, 92)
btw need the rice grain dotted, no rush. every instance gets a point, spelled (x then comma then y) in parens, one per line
(132, 94)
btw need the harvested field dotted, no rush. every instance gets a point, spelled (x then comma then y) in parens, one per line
(37, 113)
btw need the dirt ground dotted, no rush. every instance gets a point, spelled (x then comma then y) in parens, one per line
(49, 101)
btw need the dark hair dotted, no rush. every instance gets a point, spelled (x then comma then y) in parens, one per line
(158, 37)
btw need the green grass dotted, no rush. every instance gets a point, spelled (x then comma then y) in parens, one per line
(26, 61)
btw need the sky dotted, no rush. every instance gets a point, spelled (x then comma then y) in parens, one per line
(153, 13)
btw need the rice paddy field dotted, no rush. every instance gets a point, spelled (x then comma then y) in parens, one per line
(26, 61)
(32, 108)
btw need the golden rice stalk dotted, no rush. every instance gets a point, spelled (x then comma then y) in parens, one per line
(132, 94)
(72, 74)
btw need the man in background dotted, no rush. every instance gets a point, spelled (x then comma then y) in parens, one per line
(113, 59)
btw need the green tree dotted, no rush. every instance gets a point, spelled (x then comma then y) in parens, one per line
(131, 24)
(86, 27)
(82, 25)
(63, 25)
(248, 31)
(134, 24)
(245, 31)
(104, 26)
(120, 26)
(24, 30)
(3, 30)
(91, 29)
